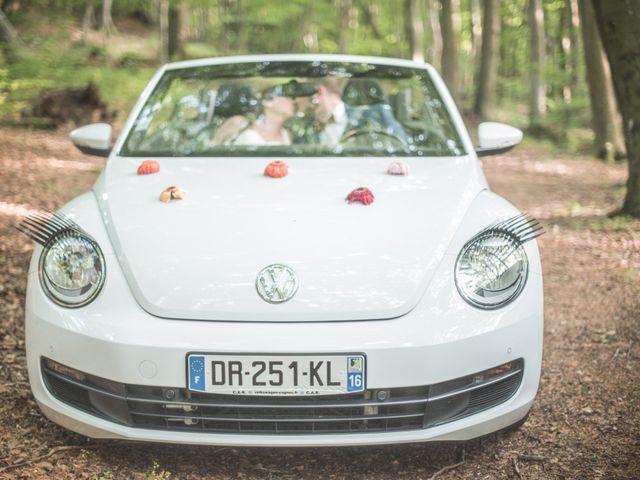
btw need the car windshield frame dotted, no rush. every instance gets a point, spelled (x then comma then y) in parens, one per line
(306, 69)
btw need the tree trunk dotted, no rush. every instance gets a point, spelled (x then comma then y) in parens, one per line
(369, 16)
(537, 104)
(414, 29)
(344, 10)
(202, 18)
(186, 25)
(450, 23)
(605, 119)
(174, 39)
(489, 60)
(309, 24)
(108, 26)
(471, 72)
(224, 32)
(436, 33)
(575, 48)
(564, 50)
(240, 13)
(476, 32)
(164, 31)
(618, 25)
(88, 18)
(9, 33)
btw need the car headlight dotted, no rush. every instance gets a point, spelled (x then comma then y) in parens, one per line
(491, 269)
(72, 269)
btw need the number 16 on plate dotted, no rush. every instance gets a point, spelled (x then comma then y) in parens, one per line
(355, 374)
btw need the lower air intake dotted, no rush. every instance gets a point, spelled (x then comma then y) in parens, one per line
(177, 409)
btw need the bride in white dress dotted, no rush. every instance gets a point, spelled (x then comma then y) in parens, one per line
(269, 129)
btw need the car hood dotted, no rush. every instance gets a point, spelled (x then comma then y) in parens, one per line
(198, 258)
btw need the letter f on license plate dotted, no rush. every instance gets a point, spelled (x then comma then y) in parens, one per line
(196, 372)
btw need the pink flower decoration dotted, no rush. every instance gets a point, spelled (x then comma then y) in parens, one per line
(148, 166)
(398, 168)
(362, 195)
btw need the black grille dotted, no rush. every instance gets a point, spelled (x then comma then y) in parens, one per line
(377, 410)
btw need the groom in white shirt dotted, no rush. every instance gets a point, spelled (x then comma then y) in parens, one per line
(333, 118)
(330, 111)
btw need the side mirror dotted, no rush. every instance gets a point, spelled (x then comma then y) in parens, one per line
(94, 139)
(496, 138)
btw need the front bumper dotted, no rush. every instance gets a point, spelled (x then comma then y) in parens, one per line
(114, 339)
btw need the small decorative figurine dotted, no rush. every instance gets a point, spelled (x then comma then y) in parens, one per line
(172, 193)
(148, 166)
(362, 195)
(277, 169)
(398, 168)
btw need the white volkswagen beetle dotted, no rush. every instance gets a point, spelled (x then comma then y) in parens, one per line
(287, 250)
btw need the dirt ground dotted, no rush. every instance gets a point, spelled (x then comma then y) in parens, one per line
(585, 422)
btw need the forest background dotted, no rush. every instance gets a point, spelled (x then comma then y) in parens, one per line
(537, 64)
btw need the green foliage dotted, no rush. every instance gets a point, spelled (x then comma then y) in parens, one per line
(514, 41)
(199, 50)
(51, 61)
(22, 82)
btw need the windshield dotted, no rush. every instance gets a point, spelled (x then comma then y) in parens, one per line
(293, 109)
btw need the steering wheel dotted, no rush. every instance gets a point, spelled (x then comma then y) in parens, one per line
(372, 131)
(433, 135)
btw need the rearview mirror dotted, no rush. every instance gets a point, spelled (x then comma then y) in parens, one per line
(496, 138)
(294, 89)
(93, 139)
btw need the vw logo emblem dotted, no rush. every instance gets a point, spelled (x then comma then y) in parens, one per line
(276, 283)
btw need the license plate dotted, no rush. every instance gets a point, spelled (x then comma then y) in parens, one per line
(276, 374)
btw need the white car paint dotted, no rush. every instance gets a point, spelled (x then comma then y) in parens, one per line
(498, 135)
(96, 136)
(391, 265)
(355, 263)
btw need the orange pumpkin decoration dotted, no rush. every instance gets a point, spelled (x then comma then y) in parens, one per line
(148, 166)
(277, 169)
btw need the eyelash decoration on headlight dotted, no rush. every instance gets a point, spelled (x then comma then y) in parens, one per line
(491, 269)
(45, 226)
(523, 228)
